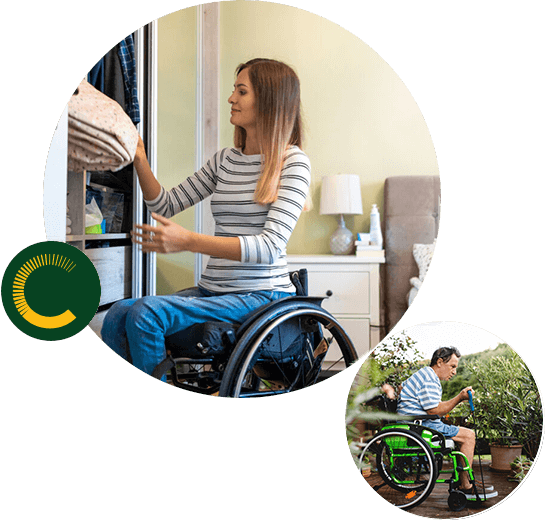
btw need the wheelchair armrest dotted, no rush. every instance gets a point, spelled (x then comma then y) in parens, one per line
(300, 281)
(423, 417)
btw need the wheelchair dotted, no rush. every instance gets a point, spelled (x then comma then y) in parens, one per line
(406, 460)
(286, 345)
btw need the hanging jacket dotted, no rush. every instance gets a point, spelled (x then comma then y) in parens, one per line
(125, 52)
(115, 75)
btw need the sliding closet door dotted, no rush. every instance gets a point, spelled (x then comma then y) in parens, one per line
(55, 182)
(208, 109)
(144, 266)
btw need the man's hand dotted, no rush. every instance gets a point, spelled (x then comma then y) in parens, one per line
(388, 390)
(464, 396)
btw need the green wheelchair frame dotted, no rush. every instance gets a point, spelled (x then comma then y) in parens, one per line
(408, 459)
(438, 444)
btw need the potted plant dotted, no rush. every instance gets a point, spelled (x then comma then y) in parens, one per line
(503, 455)
(520, 468)
(490, 424)
(525, 414)
(508, 410)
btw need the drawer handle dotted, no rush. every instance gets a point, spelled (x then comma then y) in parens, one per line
(329, 293)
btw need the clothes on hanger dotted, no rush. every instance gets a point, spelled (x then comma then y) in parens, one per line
(128, 66)
(107, 77)
(115, 75)
(101, 136)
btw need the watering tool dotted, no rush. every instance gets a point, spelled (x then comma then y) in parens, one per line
(472, 409)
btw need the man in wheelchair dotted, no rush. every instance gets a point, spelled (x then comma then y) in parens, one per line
(421, 395)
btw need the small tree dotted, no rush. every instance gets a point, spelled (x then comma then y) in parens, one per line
(359, 407)
(398, 359)
(507, 403)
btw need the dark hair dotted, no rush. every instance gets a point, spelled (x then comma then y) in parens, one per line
(444, 353)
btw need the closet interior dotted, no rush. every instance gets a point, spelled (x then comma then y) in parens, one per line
(127, 74)
(123, 270)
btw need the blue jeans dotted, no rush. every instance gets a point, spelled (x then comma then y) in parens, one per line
(136, 328)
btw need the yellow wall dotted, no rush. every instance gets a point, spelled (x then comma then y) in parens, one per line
(177, 38)
(359, 116)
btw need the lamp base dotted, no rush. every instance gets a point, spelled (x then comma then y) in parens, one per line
(342, 240)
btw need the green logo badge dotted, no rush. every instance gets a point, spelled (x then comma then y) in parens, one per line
(51, 290)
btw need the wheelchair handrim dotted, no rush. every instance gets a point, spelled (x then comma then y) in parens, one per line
(290, 314)
(423, 492)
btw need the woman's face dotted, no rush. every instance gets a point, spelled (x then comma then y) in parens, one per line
(243, 111)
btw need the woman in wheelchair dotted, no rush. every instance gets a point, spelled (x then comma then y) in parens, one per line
(258, 189)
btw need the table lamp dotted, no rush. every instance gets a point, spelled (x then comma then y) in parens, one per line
(341, 195)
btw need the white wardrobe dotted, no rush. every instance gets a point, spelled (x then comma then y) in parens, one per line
(123, 270)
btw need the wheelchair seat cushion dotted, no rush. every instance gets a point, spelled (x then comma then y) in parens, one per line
(449, 443)
(202, 340)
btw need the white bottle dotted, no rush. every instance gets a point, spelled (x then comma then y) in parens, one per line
(376, 232)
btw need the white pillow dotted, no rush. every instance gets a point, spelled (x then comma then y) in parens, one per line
(423, 254)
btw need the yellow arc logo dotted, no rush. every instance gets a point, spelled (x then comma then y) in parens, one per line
(50, 290)
(44, 322)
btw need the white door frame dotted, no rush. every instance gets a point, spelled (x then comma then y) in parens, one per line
(207, 111)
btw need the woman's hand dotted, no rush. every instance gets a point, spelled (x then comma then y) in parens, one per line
(140, 154)
(168, 238)
(149, 184)
(172, 238)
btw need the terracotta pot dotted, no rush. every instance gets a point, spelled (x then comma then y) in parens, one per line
(502, 456)
(366, 472)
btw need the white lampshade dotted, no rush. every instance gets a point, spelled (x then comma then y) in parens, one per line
(341, 195)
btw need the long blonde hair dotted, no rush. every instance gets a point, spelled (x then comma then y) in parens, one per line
(279, 122)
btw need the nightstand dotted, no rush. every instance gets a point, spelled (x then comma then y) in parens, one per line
(354, 284)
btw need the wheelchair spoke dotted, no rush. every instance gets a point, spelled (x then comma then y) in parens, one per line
(286, 353)
(403, 469)
(281, 349)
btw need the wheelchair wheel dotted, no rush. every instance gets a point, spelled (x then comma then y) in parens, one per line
(293, 347)
(403, 468)
(457, 500)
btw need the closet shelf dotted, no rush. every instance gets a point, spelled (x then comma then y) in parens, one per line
(105, 236)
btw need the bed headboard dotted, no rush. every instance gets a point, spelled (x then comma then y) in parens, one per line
(410, 216)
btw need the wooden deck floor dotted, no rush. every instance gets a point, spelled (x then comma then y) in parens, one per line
(436, 506)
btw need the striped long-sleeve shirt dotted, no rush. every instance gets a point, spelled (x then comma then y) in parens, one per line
(230, 178)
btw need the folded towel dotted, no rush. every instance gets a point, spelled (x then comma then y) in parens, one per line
(101, 136)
